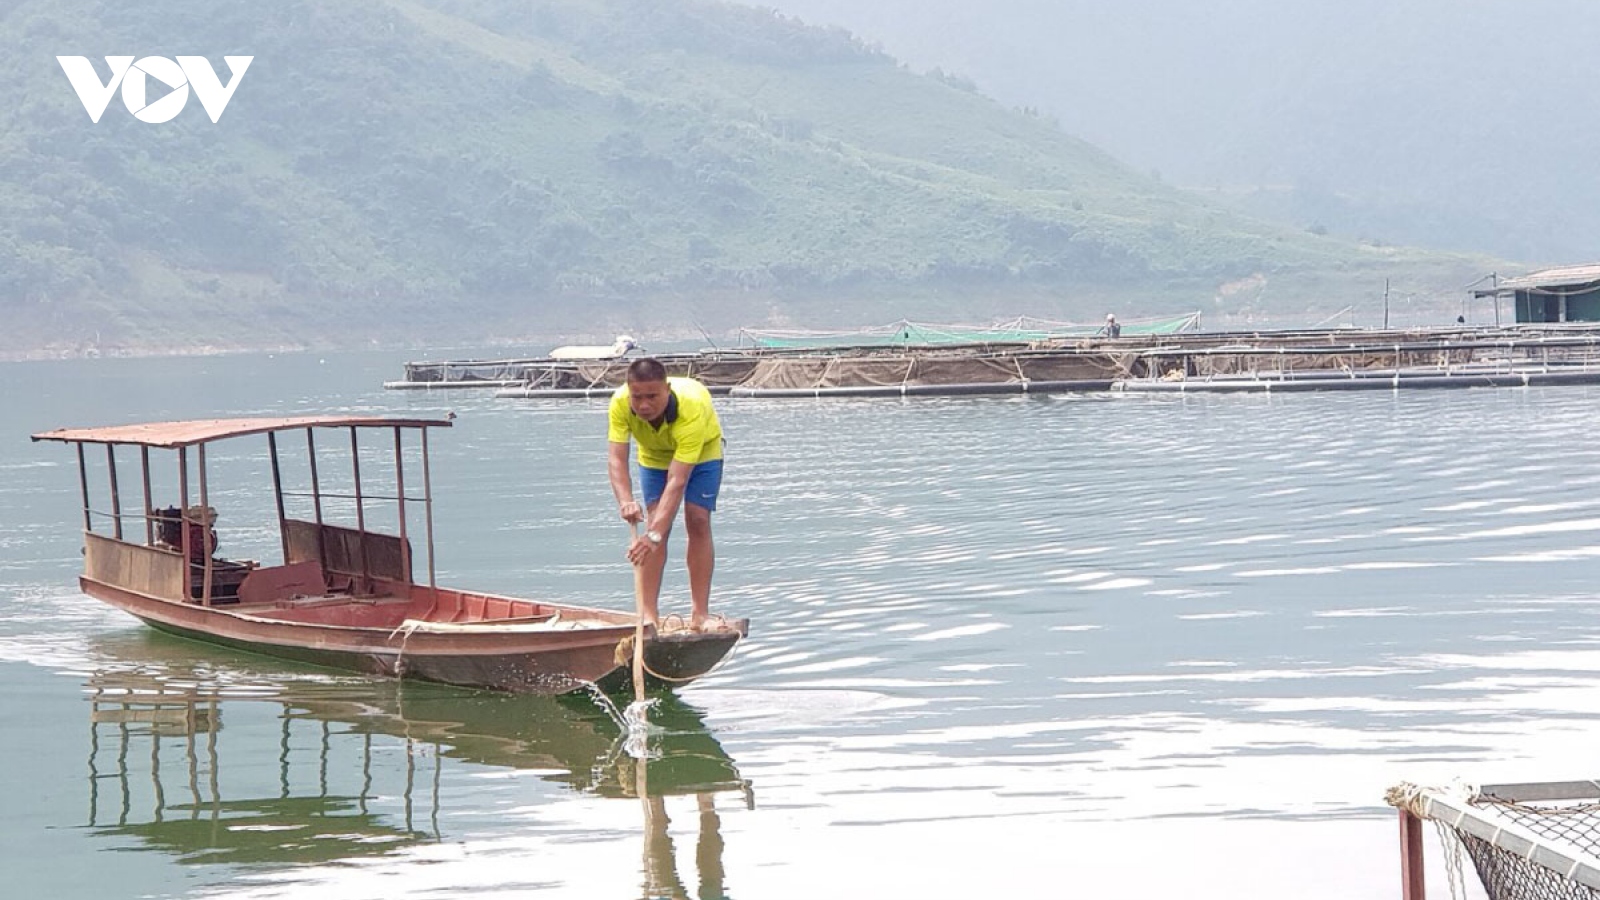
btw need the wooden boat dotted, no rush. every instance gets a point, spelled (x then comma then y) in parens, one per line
(343, 595)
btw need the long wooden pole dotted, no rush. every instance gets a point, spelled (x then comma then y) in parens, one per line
(655, 827)
(638, 625)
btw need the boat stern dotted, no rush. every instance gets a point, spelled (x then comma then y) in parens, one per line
(676, 658)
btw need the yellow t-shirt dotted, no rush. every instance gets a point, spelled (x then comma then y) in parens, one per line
(690, 433)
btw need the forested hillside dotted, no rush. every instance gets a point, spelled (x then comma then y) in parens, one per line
(1432, 123)
(405, 170)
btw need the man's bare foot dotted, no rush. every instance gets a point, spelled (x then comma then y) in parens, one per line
(708, 623)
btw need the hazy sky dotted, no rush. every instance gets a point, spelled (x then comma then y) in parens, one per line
(1450, 105)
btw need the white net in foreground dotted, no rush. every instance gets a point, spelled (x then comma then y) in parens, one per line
(1534, 841)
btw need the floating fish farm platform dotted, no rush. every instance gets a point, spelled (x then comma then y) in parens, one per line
(997, 361)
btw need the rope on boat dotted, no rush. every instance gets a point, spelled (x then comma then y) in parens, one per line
(624, 654)
(404, 630)
(1409, 797)
(1406, 796)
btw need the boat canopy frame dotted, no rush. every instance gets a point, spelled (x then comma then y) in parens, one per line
(179, 436)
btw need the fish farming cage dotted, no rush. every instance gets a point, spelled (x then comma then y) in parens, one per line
(1533, 841)
(904, 333)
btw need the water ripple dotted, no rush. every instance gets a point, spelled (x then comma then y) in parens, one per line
(1043, 611)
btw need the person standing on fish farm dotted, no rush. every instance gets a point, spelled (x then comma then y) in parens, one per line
(680, 464)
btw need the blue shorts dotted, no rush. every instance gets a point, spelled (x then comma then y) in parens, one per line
(705, 480)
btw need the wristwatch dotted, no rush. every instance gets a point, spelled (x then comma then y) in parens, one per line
(653, 537)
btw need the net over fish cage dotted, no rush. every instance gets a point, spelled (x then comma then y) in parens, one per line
(1534, 841)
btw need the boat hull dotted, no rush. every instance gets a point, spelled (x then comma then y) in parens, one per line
(549, 670)
(677, 657)
(481, 655)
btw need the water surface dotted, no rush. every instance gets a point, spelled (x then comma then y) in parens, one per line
(1013, 647)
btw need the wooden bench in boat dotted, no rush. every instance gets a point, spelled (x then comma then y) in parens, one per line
(288, 582)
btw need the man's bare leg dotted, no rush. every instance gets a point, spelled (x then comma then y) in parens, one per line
(702, 558)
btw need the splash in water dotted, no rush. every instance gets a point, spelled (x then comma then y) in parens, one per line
(606, 704)
(636, 719)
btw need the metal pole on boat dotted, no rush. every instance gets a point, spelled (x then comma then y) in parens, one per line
(144, 471)
(116, 498)
(277, 493)
(316, 497)
(183, 520)
(427, 507)
(316, 486)
(83, 483)
(361, 514)
(205, 530)
(400, 494)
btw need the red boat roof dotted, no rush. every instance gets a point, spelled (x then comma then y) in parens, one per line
(200, 431)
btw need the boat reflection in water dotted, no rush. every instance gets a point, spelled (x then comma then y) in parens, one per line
(325, 769)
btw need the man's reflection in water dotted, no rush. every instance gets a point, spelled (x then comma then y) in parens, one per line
(661, 880)
(686, 761)
(708, 851)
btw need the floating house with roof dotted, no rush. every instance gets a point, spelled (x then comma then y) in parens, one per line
(1565, 294)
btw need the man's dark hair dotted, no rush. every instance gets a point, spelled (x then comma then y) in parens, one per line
(647, 368)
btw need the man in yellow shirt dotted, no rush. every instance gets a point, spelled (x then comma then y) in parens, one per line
(680, 464)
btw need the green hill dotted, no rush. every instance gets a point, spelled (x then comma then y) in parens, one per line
(408, 170)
